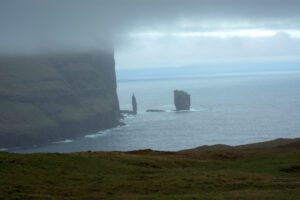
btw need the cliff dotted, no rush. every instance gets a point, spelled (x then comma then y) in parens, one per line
(52, 97)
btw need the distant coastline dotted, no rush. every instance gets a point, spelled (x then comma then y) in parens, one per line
(210, 70)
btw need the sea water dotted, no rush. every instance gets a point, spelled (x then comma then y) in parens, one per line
(233, 109)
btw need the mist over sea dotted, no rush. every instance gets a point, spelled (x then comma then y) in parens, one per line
(228, 107)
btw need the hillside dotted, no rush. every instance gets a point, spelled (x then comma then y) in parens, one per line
(280, 142)
(248, 173)
(52, 97)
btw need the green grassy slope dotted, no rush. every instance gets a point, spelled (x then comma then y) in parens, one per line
(50, 97)
(218, 174)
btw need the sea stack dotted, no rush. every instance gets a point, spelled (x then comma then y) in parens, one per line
(182, 100)
(134, 105)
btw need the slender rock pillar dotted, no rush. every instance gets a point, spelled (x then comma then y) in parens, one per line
(134, 104)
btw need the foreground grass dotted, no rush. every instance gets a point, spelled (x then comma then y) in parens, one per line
(218, 174)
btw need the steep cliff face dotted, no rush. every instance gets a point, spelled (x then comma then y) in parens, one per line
(54, 97)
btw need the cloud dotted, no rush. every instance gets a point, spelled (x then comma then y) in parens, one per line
(51, 25)
(168, 51)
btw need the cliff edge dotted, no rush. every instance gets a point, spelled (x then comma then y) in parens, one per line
(53, 97)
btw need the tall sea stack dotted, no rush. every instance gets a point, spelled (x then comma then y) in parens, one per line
(134, 105)
(46, 98)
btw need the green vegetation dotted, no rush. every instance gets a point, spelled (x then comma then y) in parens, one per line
(19, 116)
(218, 174)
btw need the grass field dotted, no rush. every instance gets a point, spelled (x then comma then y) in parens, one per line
(237, 173)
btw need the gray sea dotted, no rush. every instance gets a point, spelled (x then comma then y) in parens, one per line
(227, 108)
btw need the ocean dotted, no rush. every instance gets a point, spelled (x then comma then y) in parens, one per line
(226, 108)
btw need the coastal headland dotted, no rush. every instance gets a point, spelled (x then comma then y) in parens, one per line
(50, 97)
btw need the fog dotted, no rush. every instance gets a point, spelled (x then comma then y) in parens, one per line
(153, 33)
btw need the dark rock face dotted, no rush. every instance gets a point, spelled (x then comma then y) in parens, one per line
(54, 97)
(182, 100)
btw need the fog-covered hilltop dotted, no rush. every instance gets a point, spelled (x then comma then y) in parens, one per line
(53, 97)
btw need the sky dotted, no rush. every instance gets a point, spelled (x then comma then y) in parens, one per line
(155, 33)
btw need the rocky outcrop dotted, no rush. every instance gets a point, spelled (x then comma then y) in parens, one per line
(155, 110)
(53, 97)
(134, 105)
(182, 100)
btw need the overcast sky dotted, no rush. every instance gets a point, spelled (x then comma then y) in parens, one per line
(155, 33)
